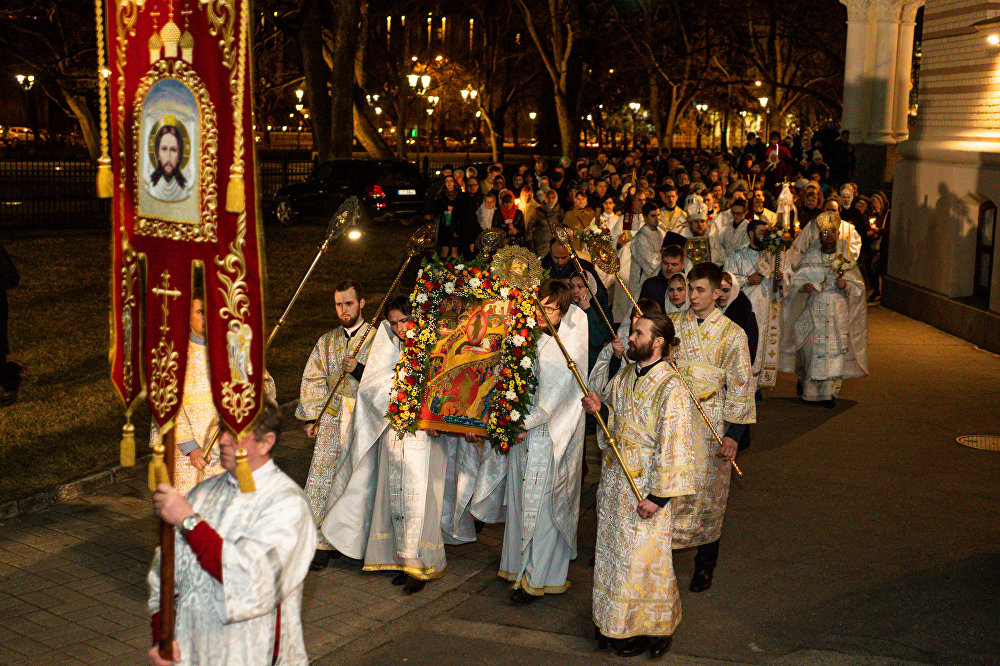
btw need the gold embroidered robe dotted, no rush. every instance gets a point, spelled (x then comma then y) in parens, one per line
(714, 358)
(321, 373)
(196, 422)
(635, 590)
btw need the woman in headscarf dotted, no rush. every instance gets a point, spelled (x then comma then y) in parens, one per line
(512, 219)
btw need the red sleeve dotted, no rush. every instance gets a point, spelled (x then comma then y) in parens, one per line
(207, 546)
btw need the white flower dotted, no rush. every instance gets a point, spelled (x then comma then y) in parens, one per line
(449, 287)
(531, 322)
(504, 292)
(411, 334)
(460, 267)
(525, 362)
(475, 283)
(518, 340)
(510, 395)
(514, 414)
(420, 273)
(421, 297)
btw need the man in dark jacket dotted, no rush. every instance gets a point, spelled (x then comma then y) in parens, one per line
(737, 307)
(10, 372)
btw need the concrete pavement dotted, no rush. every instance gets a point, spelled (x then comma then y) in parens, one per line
(860, 534)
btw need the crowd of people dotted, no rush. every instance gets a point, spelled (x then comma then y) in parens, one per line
(701, 314)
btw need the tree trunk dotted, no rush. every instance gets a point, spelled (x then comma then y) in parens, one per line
(568, 129)
(401, 129)
(368, 135)
(655, 110)
(345, 42)
(317, 73)
(89, 129)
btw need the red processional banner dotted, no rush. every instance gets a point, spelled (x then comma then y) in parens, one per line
(178, 138)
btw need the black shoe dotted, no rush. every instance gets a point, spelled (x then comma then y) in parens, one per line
(320, 560)
(798, 388)
(413, 585)
(479, 525)
(400, 578)
(758, 395)
(632, 647)
(603, 642)
(701, 581)
(829, 404)
(522, 598)
(659, 645)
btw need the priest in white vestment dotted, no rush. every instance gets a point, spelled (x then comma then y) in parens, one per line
(730, 228)
(240, 560)
(714, 358)
(330, 360)
(197, 420)
(535, 488)
(647, 248)
(765, 281)
(621, 305)
(825, 337)
(636, 603)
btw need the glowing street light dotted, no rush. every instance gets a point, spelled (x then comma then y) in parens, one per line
(763, 102)
(25, 81)
(532, 115)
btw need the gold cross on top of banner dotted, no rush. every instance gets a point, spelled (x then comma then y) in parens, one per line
(166, 292)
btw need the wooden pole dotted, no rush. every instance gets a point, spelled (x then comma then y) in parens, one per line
(167, 562)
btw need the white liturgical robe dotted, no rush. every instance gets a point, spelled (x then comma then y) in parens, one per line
(268, 539)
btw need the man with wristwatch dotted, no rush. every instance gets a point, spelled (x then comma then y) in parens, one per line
(240, 561)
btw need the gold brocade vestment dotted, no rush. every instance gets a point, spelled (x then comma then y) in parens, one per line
(321, 373)
(635, 590)
(714, 358)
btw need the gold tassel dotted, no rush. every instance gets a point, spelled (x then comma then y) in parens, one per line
(235, 195)
(244, 475)
(157, 468)
(127, 448)
(105, 181)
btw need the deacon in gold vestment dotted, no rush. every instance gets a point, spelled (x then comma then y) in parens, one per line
(197, 419)
(635, 600)
(329, 360)
(714, 358)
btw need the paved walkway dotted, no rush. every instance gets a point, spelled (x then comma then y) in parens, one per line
(860, 534)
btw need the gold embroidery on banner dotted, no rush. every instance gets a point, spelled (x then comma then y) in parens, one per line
(163, 378)
(204, 231)
(129, 323)
(237, 393)
(221, 16)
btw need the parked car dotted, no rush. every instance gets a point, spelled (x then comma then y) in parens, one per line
(386, 188)
(13, 136)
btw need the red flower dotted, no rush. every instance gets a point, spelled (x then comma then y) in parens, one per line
(410, 325)
(409, 342)
(475, 271)
(429, 285)
(524, 332)
(459, 282)
(515, 292)
(449, 265)
(401, 396)
(503, 422)
(411, 380)
(487, 285)
(394, 409)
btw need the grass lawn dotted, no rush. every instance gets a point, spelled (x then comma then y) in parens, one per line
(68, 418)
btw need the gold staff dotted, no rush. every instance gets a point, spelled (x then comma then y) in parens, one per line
(562, 234)
(347, 216)
(421, 240)
(606, 259)
(571, 364)
(522, 269)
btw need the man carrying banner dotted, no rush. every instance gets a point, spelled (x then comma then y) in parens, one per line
(540, 501)
(331, 365)
(714, 358)
(635, 602)
(240, 562)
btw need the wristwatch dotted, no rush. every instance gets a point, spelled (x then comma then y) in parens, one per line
(189, 523)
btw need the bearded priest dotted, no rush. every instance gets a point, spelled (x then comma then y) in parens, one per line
(825, 337)
(536, 489)
(636, 603)
(330, 360)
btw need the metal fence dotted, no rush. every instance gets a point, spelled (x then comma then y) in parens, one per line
(56, 194)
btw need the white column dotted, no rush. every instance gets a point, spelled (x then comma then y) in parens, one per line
(904, 61)
(855, 111)
(885, 73)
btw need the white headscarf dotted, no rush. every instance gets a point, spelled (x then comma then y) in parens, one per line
(734, 292)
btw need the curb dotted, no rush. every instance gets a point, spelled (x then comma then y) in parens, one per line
(82, 487)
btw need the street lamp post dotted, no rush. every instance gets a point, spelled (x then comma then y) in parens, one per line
(634, 106)
(469, 95)
(419, 85)
(701, 108)
(26, 82)
(767, 120)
